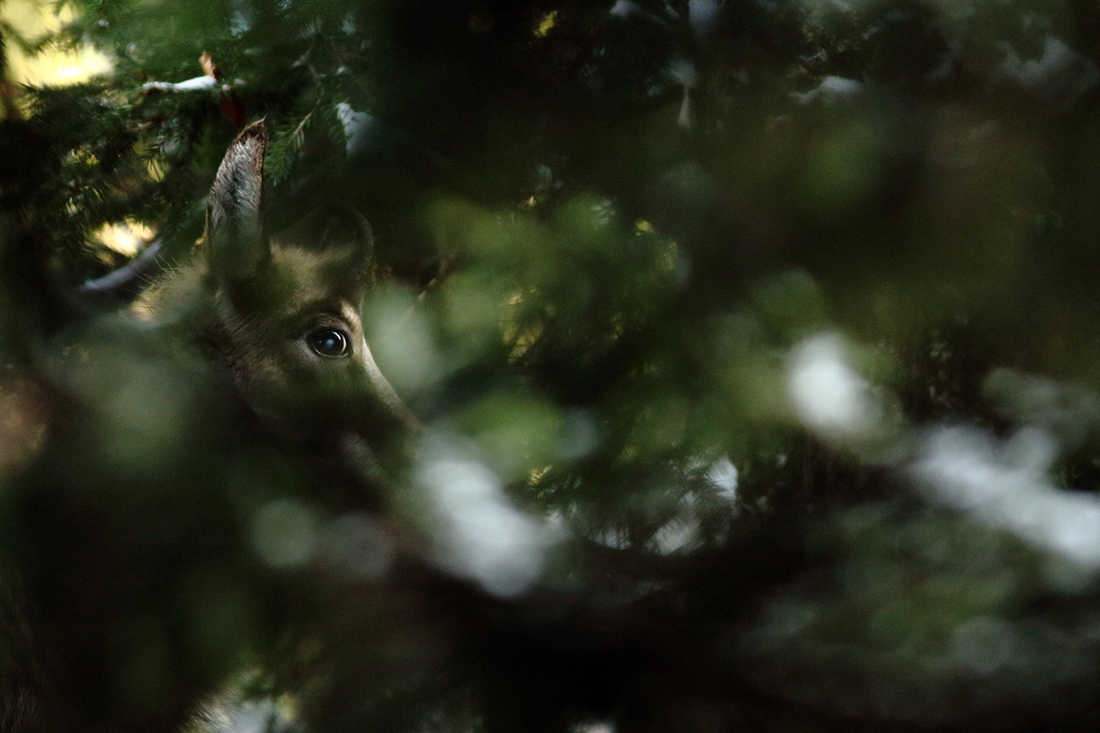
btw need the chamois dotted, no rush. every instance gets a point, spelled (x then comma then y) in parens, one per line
(281, 315)
(183, 451)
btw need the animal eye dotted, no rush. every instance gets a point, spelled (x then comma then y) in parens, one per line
(330, 342)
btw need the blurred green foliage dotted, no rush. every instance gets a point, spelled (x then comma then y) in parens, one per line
(602, 231)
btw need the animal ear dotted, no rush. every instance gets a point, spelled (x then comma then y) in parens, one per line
(348, 230)
(339, 232)
(235, 239)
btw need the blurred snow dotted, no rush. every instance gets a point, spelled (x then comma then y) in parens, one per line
(1006, 486)
(703, 16)
(829, 396)
(722, 474)
(357, 126)
(231, 713)
(831, 90)
(1059, 77)
(579, 434)
(1002, 483)
(478, 533)
(196, 84)
(678, 535)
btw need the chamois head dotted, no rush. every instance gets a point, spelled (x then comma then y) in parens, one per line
(281, 314)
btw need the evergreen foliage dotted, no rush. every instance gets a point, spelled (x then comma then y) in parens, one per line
(777, 320)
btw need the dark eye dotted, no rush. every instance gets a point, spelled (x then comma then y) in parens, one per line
(330, 342)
